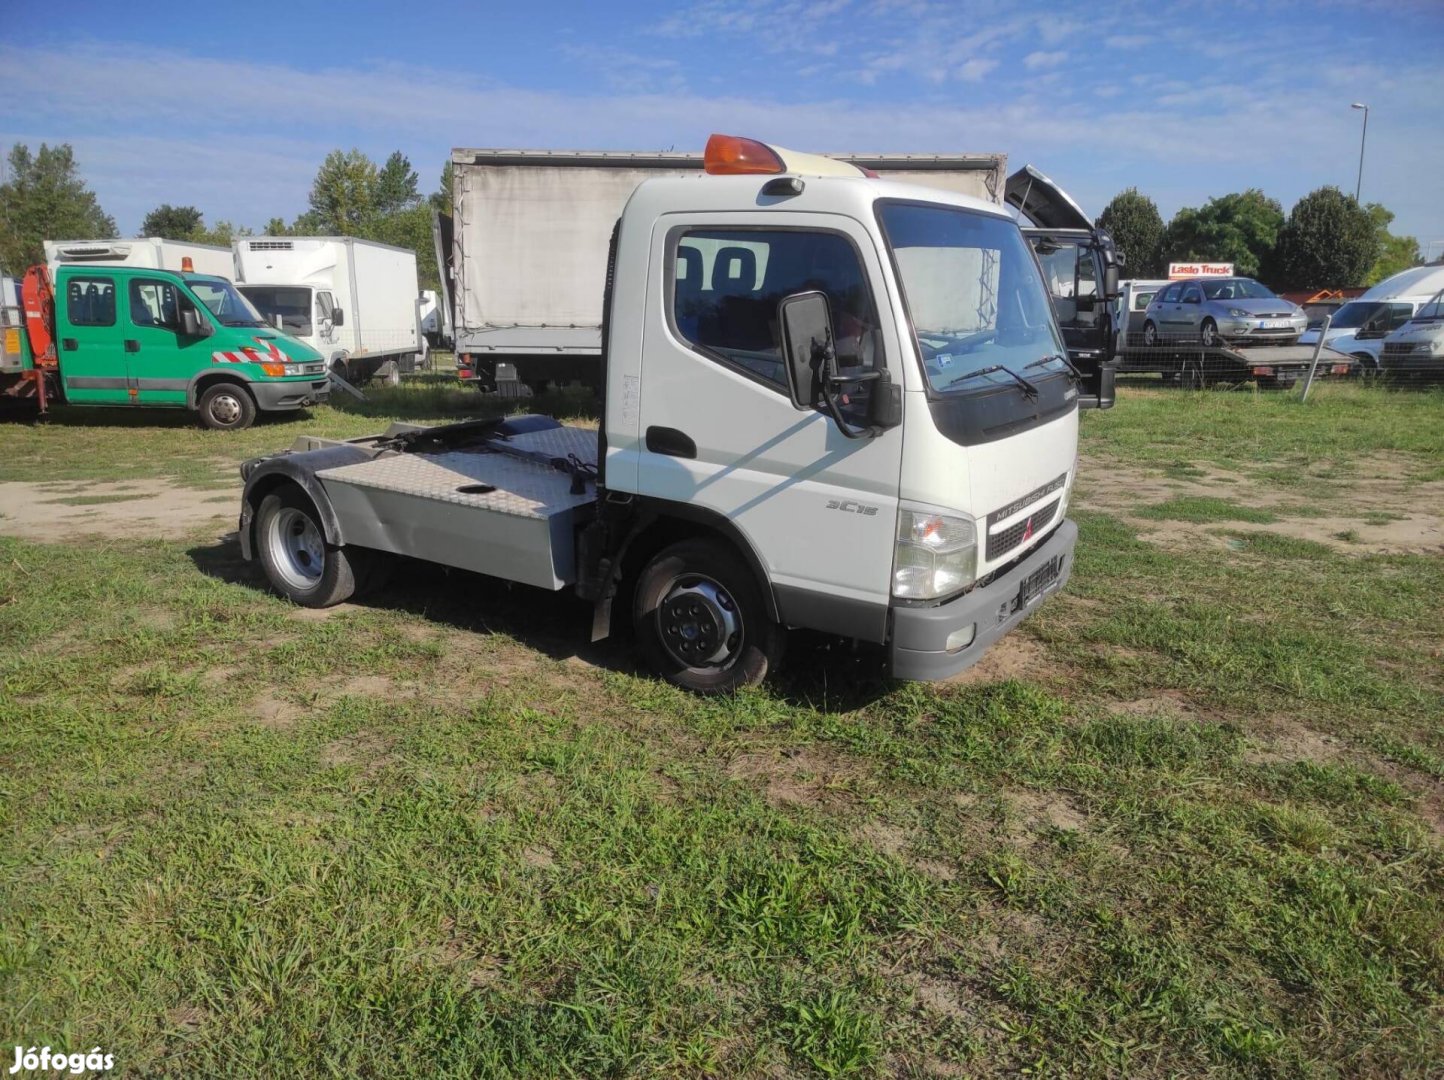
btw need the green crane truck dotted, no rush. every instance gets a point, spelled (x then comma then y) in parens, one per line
(126, 336)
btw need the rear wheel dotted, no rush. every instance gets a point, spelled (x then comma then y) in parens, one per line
(227, 406)
(1150, 334)
(299, 563)
(701, 622)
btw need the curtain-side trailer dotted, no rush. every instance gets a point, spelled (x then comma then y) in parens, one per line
(524, 252)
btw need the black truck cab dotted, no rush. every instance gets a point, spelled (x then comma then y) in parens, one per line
(1080, 266)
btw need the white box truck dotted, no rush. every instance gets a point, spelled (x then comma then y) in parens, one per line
(354, 301)
(831, 401)
(524, 253)
(150, 252)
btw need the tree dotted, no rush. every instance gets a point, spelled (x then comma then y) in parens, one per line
(441, 200)
(1241, 228)
(396, 185)
(45, 199)
(1329, 242)
(171, 222)
(343, 196)
(1137, 230)
(1395, 252)
(276, 227)
(221, 236)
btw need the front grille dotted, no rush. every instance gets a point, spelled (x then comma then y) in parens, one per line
(999, 544)
(1403, 348)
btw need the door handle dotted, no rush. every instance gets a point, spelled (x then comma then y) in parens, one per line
(671, 442)
(132, 345)
(69, 344)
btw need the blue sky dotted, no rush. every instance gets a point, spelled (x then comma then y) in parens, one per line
(231, 107)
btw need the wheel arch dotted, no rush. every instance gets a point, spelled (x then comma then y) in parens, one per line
(266, 475)
(665, 523)
(204, 380)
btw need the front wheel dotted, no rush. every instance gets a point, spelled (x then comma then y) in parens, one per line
(700, 619)
(1208, 334)
(227, 407)
(298, 562)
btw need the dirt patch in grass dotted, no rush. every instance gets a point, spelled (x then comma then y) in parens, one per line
(1383, 512)
(272, 712)
(804, 776)
(1035, 810)
(366, 749)
(145, 509)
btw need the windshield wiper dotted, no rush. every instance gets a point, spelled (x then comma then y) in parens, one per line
(1076, 375)
(1029, 390)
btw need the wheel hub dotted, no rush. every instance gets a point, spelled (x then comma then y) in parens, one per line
(226, 409)
(699, 622)
(300, 548)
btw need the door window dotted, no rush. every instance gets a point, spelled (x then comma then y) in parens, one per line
(154, 303)
(1170, 294)
(90, 301)
(727, 283)
(325, 306)
(1192, 295)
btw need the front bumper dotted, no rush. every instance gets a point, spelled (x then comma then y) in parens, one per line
(918, 647)
(1251, 330)
(290, 393)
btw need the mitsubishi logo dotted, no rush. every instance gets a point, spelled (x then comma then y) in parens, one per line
(1028, 532)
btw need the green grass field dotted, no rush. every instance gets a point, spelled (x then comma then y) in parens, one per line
(1191, 821)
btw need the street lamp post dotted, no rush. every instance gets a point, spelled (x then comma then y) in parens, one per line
(1359, 185)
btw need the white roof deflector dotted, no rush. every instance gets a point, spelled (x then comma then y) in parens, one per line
(1043, 202)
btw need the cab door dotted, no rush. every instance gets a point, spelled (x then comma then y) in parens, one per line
(160, 358)
(88, 341)
(718, 431)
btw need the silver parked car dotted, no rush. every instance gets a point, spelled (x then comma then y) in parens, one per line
(1217, 310)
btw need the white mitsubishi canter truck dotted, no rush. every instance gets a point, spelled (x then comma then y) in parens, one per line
(831, 401)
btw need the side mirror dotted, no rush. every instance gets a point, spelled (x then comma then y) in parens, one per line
(1110, 283)
(338, 317)
(807, 349)
(192, 325)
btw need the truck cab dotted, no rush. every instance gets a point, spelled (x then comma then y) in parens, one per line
(832, 401)
(1081, 268)
(157, 338)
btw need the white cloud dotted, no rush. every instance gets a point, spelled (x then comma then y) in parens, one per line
(975, 71)
(1040, 59)
(1127, 41)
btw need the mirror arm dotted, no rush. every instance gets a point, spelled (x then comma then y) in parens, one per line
(829, 396)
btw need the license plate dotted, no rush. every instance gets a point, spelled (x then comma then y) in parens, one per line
(1037, 583)
(1273, 324)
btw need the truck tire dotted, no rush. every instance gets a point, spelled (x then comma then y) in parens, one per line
(700, 620)
(226, 406)
(299, 563)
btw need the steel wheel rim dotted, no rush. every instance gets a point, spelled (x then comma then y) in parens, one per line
(298, 547)
(700, 623)
(226, 408)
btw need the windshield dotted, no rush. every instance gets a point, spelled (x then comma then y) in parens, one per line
(1355, 314)
(228, 306)
(978, 306)
(286, 308)
(1434, 309)
(1239, 288)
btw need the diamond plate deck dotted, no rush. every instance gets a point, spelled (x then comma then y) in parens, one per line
(522, 488)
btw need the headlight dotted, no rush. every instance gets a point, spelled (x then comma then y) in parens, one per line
(1436, 347)
(1238, 313)
(935, 555)
(295, 369)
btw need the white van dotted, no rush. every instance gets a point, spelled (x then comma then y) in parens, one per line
(1360, 326)
(1416, 350)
